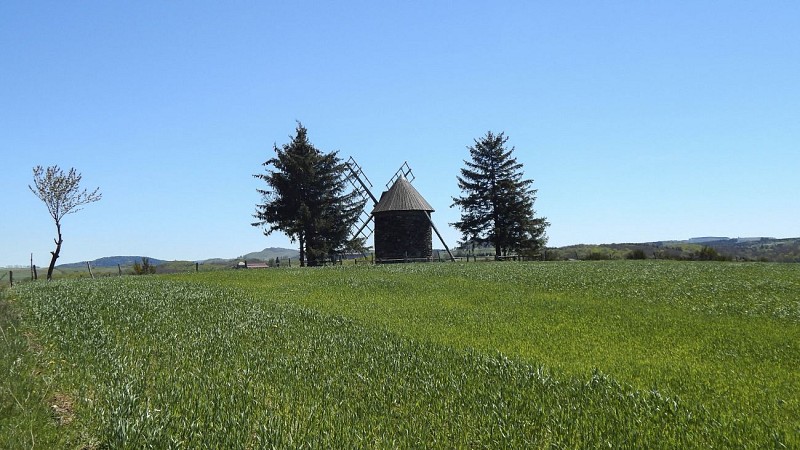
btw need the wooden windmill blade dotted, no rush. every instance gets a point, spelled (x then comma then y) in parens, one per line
(404, 171)
(364, 230)
(361, 185)
(359, 180)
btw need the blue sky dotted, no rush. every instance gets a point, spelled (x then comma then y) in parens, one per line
(638, 121)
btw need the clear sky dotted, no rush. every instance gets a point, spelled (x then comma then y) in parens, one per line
(638, 121)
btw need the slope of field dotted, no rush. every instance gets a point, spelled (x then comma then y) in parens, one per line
(623, 354)
(755, 249)
(722, 335)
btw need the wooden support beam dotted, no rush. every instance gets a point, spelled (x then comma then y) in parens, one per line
(428, 214)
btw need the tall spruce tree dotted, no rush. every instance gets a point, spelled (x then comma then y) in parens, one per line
(496, 202)
(307, 198)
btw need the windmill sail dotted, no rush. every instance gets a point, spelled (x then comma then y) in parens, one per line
(359, 180)
(404, 171)
(361, 185)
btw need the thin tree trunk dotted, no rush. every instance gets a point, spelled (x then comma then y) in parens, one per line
(55, 253)
(300, 238)
(495, 215)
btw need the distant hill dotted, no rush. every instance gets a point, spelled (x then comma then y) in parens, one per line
(112, 261)
(763, 249)
(735, 249)
(272, 253)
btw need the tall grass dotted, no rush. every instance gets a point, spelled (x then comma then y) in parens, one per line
(720, 335)
(407, 356)
(25, 418)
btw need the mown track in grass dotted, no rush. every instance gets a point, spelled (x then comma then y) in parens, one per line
(379, 356)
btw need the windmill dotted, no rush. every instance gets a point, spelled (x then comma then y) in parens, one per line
(400, 219)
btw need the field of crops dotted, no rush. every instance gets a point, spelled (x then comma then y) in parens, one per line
(639, 354)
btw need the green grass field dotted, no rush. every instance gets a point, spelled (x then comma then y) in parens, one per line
(631, 354)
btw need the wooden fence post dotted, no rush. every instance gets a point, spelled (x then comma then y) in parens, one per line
(197, 267)
(11, 278)
(119, 269)
(90, 269)
(35, 274)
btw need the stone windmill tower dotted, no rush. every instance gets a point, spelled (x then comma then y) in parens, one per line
(402, 224)
(401, 218)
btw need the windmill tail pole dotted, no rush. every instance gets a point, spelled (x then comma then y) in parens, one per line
(440, 236)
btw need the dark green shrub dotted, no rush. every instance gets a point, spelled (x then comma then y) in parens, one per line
(636, 254)
(144, 268)
(551, 254)
(597, 256)
(710, 254)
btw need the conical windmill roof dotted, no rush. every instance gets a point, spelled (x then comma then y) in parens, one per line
(402, 197)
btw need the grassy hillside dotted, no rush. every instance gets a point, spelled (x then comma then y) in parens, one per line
(763, 250)
(269, 254)
(637, 354)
